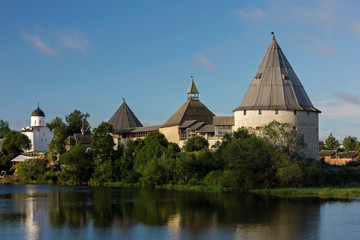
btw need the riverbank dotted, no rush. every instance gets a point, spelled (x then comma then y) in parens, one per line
(321, 192)
(344, 192)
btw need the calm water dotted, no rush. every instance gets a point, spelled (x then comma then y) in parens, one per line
(57, 212)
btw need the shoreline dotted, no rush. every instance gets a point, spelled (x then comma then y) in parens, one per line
(338, 192)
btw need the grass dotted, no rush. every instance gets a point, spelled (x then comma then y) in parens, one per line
(193, 188)
(321, 192)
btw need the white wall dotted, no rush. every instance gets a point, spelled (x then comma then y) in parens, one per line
(37, 121)
(40, 138)
(306, 122)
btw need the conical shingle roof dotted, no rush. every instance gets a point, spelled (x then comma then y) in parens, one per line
(124, 118)
(275, 85)
(193, 89)
(192, 109)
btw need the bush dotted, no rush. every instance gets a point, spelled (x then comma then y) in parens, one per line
(196, 143)
(32, 170)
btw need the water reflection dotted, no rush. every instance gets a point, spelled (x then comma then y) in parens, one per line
(35, 212)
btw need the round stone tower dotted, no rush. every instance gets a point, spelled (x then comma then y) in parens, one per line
(276, 93)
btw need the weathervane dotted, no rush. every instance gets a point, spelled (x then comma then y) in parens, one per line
(192, 78)
(123, 99)
(272, 33)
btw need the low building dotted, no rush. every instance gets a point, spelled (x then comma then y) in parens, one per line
(326, 155)
(334, 157)
(84, 139)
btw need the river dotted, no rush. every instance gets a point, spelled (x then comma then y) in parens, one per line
(61, 212)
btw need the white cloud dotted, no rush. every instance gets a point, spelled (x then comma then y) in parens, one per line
(37, 42)
(204, 61)
(355, 27)
(331, 16)
(73, 40)
(325, 50)
(254, 14)
(347, 97)
(347, 106)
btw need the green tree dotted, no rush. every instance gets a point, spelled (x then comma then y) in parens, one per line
(331, 142)
(322, 146)
(77, 121)
(4, 128)
(249, 161)
(155, 145)
(32, 170)
(76, 165)
(103, 144)
(158, 171)
(185, 167)
(124, 166)
(288, 172)
(60, 131)
(15, 143)
(350, 143)
(196, 143)
(284, 137)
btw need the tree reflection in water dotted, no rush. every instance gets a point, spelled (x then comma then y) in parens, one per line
(184, 213)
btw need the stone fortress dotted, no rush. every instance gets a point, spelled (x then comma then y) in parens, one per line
(275, 93)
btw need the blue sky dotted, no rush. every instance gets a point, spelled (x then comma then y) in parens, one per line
(88, 55)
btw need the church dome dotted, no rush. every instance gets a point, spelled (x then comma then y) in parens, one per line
(38, 113)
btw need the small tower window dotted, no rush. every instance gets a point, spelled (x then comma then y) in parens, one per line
(308, 112)
(276, 111)
(294, 128)
(244, 112)
(258, 75)
(40, 122)
(285, 76)
(294, 112)
(260, 112)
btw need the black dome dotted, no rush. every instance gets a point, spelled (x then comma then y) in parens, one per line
(38, 113)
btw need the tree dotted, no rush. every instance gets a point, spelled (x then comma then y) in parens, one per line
(196, 143)
(155, 145)
(288, 172)
(331, 142)
(103, 144)
(77, 121)
(284, 137)
(103, 151)
(32, 170)
(76, 165)
(322, 146)
(15, 143)
(350, 143)
(60, 131)
(249, 162)
(4, 128)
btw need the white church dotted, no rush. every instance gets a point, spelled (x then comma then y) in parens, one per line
(39, 135)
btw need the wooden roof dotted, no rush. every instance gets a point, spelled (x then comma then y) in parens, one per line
(124, 118)
(190, 110)
(275, 85)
